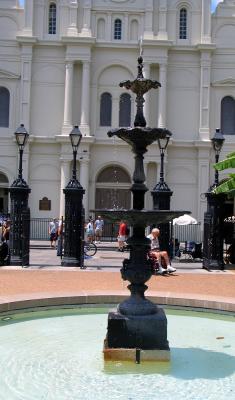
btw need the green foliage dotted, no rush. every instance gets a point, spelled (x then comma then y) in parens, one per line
(227, 187)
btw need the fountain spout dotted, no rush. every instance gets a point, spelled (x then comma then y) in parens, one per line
(140, 86)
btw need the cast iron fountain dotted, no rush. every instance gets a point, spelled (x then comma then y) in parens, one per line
(138, 324)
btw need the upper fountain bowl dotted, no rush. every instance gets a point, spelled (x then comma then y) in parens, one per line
(140, 217)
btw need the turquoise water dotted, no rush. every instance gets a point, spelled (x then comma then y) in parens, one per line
(57, 355)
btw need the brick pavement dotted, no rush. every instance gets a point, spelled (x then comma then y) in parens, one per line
(45, 282)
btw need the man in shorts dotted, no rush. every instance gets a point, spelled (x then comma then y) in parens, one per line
(99, 226)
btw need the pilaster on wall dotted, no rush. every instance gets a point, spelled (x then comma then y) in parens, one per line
(68, 98)
(148, 19)
(162, 95)
(85, 124)
(205, 79)
(64, 180)
(73, 18)
(206, 22)
(162, 31)
(203, 179)
(25, 89)
(28, 18)
(84, 180)
(86, 27)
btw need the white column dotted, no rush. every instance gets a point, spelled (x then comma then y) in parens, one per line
(84, 180)
(162, 30)
(68, 97)
(73, 18)
(203, 180)
(28, 18)
(204, 132)
(86, 28)
(206, 22)
(25, 89)
(85, 103)
(148, 19)
(109, 28)
(115, 111)
(126, 27)
(146, 96)
(64, 180)
(162, 97)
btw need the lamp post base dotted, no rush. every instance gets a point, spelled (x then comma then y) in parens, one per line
(70, 262)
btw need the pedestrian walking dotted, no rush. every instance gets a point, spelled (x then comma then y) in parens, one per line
(99, 226)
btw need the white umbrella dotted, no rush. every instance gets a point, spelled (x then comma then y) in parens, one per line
(184, 220)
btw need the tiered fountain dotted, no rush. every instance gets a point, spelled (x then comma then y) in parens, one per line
(138, 324)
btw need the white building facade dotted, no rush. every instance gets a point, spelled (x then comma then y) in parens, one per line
(61, 63)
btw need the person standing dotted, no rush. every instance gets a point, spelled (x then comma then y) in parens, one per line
(90, 230)
(52, 230)
(121, 235)
(99, 226)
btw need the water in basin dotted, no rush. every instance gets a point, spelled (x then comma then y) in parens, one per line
(57, 355)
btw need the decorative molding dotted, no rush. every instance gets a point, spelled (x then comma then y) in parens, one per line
(8, 75)
(224, 83)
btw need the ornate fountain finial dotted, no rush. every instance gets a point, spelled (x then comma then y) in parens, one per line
(140, 68)
(140, 86)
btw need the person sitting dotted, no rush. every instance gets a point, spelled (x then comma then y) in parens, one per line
(160, 256)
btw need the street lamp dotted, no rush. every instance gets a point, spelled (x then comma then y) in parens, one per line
(217, 142)
(20, 213)
(75, 138)
(21, 136)
(213, 217)
(161, 194)
(74, 212)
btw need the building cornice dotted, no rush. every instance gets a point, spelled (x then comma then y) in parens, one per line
(78, 40)
(206, 46)
(224, 83)
(26, 39)
(8, 75)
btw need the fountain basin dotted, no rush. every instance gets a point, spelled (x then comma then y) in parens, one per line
(57, 354)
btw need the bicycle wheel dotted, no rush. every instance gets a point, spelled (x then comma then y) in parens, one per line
(90, 249)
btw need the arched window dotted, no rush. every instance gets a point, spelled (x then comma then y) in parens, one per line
(228, 115)
(101, 29)
(183, 24)
(52, 19)
(4, 107)
(125, 110)
(134, 30)
(117, 29)
(105, 109)
(113, 188)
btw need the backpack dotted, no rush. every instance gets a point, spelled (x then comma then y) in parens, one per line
(127, 231)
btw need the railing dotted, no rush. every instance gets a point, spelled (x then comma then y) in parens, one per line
(39, 228)
(189, 233)
(192, 232)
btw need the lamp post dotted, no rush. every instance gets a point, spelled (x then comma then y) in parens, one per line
(161, 194)
(20, 213)
(213, 217)
(74, 213)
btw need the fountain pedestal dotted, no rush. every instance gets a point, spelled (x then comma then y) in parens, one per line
(146, 333)
(138, 329)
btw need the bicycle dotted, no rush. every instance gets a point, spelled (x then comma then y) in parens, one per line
(90, 249)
